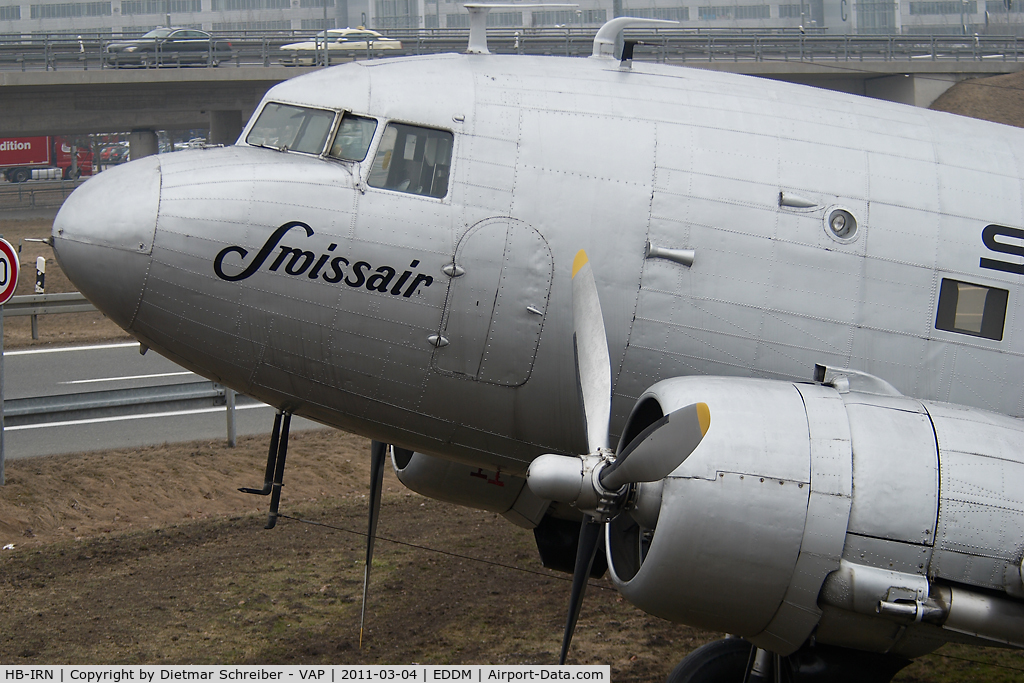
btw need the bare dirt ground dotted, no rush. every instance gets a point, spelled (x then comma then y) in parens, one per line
(997, 98)
(152, 556)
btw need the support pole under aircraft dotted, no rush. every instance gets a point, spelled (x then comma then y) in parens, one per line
(378, 454)
(268, 476)
(274, 476)
(282, 452)
(229, 400)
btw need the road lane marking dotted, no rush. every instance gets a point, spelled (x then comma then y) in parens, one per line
(98, 420)
(119, 379)
(93, 347)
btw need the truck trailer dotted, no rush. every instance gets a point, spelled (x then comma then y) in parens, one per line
(43, 157)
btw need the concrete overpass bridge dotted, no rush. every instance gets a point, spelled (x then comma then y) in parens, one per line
(141, 101)
(908, 69)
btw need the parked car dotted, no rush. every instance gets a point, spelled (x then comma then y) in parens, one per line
(114, 154)
(168, 46)
(194, 143)
(340, 42)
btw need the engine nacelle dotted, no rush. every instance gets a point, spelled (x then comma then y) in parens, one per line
(473, 487)
(793, 481)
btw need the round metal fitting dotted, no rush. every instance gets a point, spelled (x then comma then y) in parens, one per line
(609, 503)
(840, 225)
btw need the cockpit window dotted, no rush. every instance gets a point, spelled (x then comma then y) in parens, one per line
(412, 159)
(353, 138)
(290, 128)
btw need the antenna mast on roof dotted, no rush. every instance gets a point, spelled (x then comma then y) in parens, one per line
(478, 21)
(608, 41)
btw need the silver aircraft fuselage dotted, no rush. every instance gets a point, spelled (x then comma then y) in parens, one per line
(291, 278)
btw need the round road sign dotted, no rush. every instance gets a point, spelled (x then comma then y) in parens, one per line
(8, 271)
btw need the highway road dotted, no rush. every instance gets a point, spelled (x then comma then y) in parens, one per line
(49, 371)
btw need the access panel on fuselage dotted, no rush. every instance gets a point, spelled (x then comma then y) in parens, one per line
(496, 307)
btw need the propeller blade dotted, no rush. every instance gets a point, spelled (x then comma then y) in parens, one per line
(586, 551)
(593, 368)
(378, 452)
(660, 448)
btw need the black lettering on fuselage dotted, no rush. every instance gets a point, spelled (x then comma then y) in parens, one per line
(420, 277)
(337, 274)
(381, 279)
(397, 289)
(261, 257)
(313, 274)
(297, 262)
(988, 237)
(358, 269)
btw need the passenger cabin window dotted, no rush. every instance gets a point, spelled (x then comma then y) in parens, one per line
(292, 129)
(967, 308)
(413, 159)
(353, 138)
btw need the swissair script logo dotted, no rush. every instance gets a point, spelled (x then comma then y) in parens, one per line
(299, 262)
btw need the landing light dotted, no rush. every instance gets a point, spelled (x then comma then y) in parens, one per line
(842, 226)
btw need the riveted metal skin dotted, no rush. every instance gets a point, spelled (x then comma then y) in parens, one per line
(526, 152)
(294, 278)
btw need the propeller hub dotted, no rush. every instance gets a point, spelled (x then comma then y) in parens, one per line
(556, 477)
(609, 502)
(576, 481)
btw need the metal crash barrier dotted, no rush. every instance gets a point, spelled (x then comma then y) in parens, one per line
(93, 405)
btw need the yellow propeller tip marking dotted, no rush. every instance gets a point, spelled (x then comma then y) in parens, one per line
(704, 417)
(578, 262)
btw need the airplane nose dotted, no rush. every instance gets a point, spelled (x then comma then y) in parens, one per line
(103, 236)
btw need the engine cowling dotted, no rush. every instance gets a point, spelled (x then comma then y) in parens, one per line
(796, 482)
(473, 487)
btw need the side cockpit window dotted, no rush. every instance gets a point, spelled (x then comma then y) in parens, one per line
(413, 159)
(972, 309)
(289, 128)
(353, 138)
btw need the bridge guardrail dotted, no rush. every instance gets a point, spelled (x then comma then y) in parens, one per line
(661, 45)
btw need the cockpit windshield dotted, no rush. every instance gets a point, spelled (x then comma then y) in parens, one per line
(290, 128)
(354, 137)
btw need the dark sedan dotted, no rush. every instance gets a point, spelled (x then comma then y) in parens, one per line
(169, 47)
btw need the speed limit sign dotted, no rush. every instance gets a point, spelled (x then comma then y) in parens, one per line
(8, 271)
(8, 281)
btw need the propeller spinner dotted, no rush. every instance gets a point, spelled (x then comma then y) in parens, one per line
(598, 483)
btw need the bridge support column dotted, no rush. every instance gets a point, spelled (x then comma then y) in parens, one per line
(225, 127)
(142, 143)
(919, 91)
